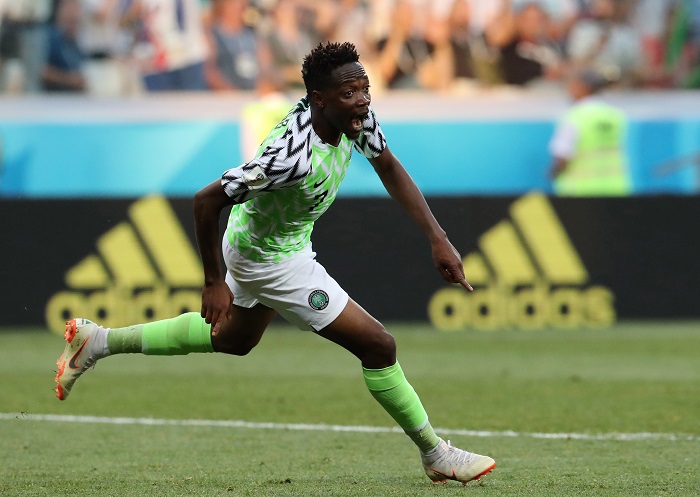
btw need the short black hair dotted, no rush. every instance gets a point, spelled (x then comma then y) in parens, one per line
(320, 63)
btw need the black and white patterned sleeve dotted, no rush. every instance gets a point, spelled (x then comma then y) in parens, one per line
(371, 142)
(281, 165)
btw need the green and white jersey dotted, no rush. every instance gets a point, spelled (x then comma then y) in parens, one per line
(292, 181)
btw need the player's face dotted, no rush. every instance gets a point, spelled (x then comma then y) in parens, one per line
(346, 102)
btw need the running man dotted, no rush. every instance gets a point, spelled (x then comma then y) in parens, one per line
(271, 268)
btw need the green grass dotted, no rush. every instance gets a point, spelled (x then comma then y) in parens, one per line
(630, 379)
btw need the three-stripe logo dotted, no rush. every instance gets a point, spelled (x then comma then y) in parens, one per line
(527, 273)
(144, 269)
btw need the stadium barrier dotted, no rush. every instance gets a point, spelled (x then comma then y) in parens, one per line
(492, 144)
(534, 260)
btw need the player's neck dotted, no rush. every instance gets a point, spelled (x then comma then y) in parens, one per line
(325, 131)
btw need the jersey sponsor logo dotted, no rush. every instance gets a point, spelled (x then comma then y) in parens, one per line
(143, 269)
(318, 300)
(526, 274)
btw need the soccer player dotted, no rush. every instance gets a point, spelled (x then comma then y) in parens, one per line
(271, 268)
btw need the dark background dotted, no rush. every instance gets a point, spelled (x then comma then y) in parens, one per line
(645, 249)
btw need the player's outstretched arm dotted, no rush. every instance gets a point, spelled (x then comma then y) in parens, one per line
(403, 189)
(216, 296)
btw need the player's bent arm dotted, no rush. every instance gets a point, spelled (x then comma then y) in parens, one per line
(216, 296)
(401, 187)
(208, 204)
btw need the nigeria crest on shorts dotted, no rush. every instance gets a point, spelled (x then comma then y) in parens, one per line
(318, 299)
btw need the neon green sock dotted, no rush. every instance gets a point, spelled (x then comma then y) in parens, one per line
(125, 340)
(391, 389)
(176, 336)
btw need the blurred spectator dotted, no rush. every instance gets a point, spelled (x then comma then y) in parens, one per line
(357, 21)
(320, 18)
(528, 55)
(169, 42)
(100, 35)
(409, 56)
(63, 70)
(651, 19)
(495, 22)
(351, 18)
(475, 61)
(462, 40)
(288, 36)
(483, 13)
(233, 53)
(682, 54)
(22, 44)
(607, 41)
(378, 21)
(107, 69)
(588, 146)
(162, 45)
(438, 71)
(561, 14)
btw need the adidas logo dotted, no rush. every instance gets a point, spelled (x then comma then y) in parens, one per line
(144, 269)
(527, 274)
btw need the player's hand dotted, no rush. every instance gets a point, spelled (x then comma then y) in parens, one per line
(216, 304)
(449, 263)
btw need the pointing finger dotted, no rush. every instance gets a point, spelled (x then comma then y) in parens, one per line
(465, 284)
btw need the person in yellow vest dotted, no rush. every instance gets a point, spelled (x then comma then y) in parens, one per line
(588, 146)
(259, 116)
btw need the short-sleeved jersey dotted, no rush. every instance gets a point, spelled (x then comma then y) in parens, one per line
(292, 181)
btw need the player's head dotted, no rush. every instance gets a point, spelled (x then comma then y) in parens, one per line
(319, 65)
(337, 87)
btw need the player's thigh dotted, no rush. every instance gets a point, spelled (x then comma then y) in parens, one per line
(360, 333)
(243, 331)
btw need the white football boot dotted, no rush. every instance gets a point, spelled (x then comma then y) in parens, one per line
(85, 345)
(446, 462)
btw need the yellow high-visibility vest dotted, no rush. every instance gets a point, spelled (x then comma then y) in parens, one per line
(599, 165)
(260, 117)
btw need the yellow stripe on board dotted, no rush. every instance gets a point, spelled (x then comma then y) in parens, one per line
(507, 256)
(125, 257)
(475, 269)
(548, 241)
(167, 242)
(88, 273)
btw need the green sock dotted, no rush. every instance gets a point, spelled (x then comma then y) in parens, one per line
(176, 336)
(390, 388)
(125, 340)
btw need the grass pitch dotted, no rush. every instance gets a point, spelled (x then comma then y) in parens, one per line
(524, 390)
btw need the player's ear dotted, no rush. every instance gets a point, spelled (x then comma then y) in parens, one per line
(317, 98)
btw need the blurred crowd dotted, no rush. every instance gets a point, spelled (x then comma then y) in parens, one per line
(126, 47)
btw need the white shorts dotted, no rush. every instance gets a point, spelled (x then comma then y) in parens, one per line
(298, 288)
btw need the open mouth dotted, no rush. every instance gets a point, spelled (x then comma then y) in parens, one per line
(358, 122)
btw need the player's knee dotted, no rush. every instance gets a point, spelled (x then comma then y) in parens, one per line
(232, 347)
(381, 351)
(241, 349)
(387, 344)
